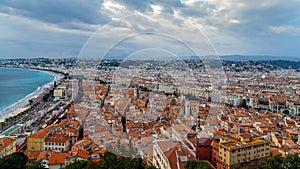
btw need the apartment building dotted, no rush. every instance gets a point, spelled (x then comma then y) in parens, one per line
(7, 146)
(58, 142)
(242, 149)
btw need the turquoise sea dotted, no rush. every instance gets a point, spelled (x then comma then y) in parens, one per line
(16, 84)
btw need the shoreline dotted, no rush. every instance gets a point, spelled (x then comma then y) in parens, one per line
(5, 113)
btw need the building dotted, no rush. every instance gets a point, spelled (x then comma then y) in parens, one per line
(215, 153)
(7, 146)
(36, 141)
(203, 149)
(171, 155)
(58, 160)
(60, 91)
(242, 149)
(292, 134)
(58, 142)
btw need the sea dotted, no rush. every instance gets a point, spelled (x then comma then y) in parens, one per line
(15, 84)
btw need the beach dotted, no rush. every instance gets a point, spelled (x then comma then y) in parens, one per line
(25, 101)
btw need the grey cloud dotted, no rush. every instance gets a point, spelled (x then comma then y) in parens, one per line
(250, 31)
(258, 15)
(57, 11)
(144, 6)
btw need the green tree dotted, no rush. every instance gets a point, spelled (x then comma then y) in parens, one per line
(291, 161)
(150, 167)
(198, 165)
(35, 166)
(14, 161)
(251, 166)
(82, 164)
(237, 166)
(272, 162)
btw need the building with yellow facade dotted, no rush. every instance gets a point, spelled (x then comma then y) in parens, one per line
(7, 146)
(36, 141)
(243, 150)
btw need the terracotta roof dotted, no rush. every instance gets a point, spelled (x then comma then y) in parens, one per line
(274, 151)
(245, 135)
(57, 138)
(42, 134)
(58, 158)
(38, 155)
(294, 150)
(291, 131)
(215, 144)
(290, 143)
(5, 141)
(74, 122)
(177, 154)
(80, 153)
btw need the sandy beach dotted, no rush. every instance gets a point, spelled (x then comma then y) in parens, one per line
(25, 101)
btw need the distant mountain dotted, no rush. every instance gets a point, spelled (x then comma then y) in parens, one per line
(258, 58)
(225, 58)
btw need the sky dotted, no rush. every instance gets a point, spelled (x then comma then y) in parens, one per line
(135, 28)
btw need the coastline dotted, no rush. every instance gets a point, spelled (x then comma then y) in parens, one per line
(5, 113)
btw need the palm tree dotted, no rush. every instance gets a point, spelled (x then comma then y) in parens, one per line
(1, 125)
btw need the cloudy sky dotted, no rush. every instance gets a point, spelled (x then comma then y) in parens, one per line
(70, 28)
